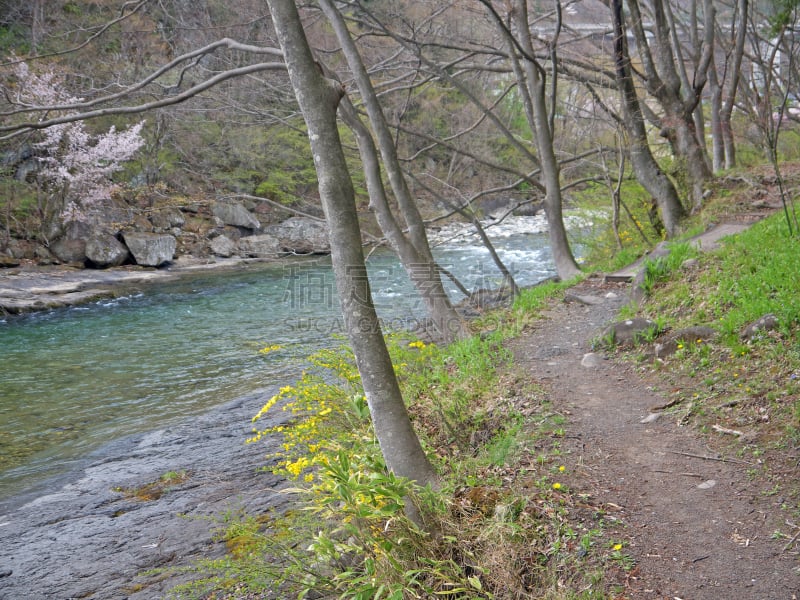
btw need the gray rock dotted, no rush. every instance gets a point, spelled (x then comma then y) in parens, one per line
(69, 251)
(236, 215)
(582, 299)
(690, 335)
(111, 216)
(591, 360)
(81, 536)
(7, 262)
(689, 264)
(20, 249)
(70, 247)
(43, 255)
(167, 218)
(631, 332)
(754, 329)
(104, 250)
(301, 235)
(259, 246)
(150, 249)
(223, 246)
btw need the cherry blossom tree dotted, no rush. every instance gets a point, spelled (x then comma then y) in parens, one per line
(75, 165)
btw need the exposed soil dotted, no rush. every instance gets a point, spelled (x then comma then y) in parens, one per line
(695, 518)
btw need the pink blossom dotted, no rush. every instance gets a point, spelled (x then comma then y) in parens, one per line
(74, 163)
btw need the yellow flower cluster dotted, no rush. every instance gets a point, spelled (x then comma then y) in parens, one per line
(268, 349)
(294, 468)
(321, 406)
(315, 401)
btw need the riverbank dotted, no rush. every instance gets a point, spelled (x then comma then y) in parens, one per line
(96, 532)
(29, 287)
(32, 288)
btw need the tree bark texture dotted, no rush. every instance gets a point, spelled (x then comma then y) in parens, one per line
(318, 99)
(535, 86)
(647, 171)
(663, 83)
(412, 249)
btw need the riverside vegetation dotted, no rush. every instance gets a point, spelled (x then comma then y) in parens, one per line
(505, 522)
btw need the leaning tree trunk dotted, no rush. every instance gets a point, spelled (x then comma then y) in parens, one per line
(645, 167)
(318, 99)
(412, 249)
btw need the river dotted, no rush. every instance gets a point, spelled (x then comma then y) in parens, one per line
(74, 379)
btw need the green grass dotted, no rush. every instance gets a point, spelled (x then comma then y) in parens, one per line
(753, 274)
(348, 535)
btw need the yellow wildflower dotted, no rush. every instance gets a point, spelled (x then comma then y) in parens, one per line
(268, 349)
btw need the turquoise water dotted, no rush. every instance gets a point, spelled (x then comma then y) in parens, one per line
(73, 379)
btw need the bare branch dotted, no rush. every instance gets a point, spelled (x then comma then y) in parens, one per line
(225, 42)
(88, 40)
(14, 130)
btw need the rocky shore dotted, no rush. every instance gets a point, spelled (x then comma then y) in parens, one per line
(104, 531)
(33, 288)
(118, 245)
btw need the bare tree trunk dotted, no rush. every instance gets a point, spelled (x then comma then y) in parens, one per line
(732, 83)
(37, 24)
(645, 167)
(414, 251)
(532, 83)
(318, 99)
(664, 84)
(717, 144)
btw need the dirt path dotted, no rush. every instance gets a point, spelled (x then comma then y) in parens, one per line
(698, 528)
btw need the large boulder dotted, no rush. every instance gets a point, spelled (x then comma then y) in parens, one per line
(301, 235)
(70, 246)
(150, 249)
(104, 250)
(259, 246)
(223, 246)
(231, 213)
(68, 250)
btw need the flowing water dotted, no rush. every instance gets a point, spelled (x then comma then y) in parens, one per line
(73, 379)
